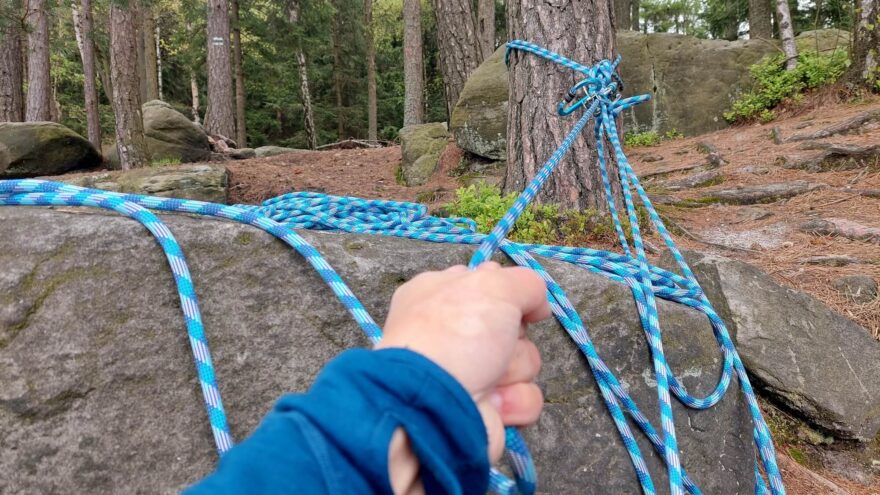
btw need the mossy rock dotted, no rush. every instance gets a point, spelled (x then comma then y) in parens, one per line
(421, 146)
(31, 149)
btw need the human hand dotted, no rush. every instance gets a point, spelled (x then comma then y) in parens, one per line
(473, 324)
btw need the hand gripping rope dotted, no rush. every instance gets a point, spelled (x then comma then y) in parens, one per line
(281, 216)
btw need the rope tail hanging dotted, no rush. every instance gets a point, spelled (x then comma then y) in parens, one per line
(281, 217)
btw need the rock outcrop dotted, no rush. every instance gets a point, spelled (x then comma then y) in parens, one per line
(99, 393)
(31, 149)
(202, 182)
(264, 151)
(421, 146)
(170, 136)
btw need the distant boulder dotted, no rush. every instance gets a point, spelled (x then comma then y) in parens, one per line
(421, 146)
(172, 136)
(264, 151)
(30, 149)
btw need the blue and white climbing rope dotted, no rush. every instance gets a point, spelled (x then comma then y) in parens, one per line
(597, 97)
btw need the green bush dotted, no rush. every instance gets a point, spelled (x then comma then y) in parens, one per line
(650, 138)
(774, 84)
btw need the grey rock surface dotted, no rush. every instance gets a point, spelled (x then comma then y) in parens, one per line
(841, 227)
(763, 193)
(479, 119)
(31, 149)
(264, 151)
(242, 153)
(172, 136)
(814, 362)
(836, 157)
(421, 146)
(831, 260)
(860, 289)
(700, 179)
(99, 393)
(203, 182)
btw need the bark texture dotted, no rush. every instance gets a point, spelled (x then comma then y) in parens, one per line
(126, 90)
(151, 61)
(459, 46)
(238, 72)
(194, 93)
(760, 20)
(864, 70)
(636, 12)
(82, 16)
(486, 27)
(39, 94)
(622, 14)
(536, 86)
(11, 68)
(219, 116)
(413, 69)
(786, 32)
(372, 120)
(305, 91)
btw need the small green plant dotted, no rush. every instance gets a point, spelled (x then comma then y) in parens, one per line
(165, 162)
(650, 138)
(774, 84)
(672, 134)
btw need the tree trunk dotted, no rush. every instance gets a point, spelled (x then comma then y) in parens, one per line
(337, 77)
(459, 47)
(238, 72)
(536, 86)
(486, 27)
(760, 26)
(864, 70)
(138, 10)
(194, 93)
(622, 14)
(159, 60)
(104, 72)
(302, 67)
(413, 72)
(219, 118)
(786, 32)
(11, 70)
(636, 12)
(372, 119)
(151, 62)
(82, 23)
(126, 91)
(39, 94)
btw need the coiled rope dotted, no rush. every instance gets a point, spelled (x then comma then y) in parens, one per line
(304, 210)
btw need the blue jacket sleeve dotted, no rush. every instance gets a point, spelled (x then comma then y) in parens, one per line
(334, 439)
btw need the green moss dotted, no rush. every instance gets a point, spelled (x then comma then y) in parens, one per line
(244, 238)
(398, 175)
(352, 245)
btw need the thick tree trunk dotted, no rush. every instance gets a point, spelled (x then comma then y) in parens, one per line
(11, 70)
(486, 27)
(622, 14)
(413, 71)
(864, 70)
(760, 25)
(459, 47)
(337, 75)
(238, 72)
(302, 67)
(151, 62)
(39, 94)
(104, 72)
(786, 32)
(138, 11)
(636, 12)
(126, 91)
(372, 118)
(219, 117)
(194, 93)
(536, 85)
(159, 60)
(82, 22)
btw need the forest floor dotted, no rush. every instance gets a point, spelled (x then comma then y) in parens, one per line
(765, 234)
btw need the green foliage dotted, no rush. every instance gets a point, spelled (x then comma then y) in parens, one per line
(774, 84)
(650, 138)
(165, 162)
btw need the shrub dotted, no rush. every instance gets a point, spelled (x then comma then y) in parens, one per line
(650, 138)
(774, 84)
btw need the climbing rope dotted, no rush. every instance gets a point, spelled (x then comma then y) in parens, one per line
(281, 216)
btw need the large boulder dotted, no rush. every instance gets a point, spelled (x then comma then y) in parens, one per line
(30, 149)
(200, 181)
(99, 393)
(811, 360)
(691, 82)
(264, 151)
(421, 146)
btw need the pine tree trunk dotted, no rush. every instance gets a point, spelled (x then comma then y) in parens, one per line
(337, 76)
(760, 26)
(11, 70)
(622, 14)
(138, 11)
(413, 72)
(786, 32)
(486, 27)
(159, 60)
(534, 131)
(151, 63)
(864, 70)
(219, 117)
(104, 72)
(635, 13)
(126, 91)
(194, 93)
(238, 72)
(39, 94)
(302, 67)
(372, 118)
(459, 47)
(82, 17)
